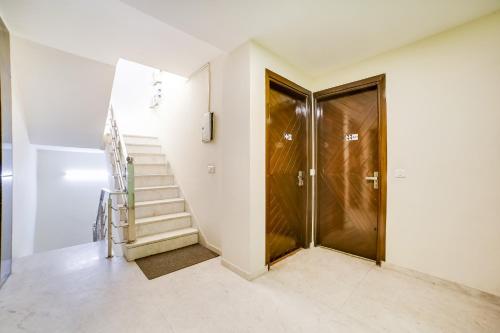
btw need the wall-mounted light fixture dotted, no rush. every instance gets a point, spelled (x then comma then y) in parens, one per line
(157, 90)
(86, 175)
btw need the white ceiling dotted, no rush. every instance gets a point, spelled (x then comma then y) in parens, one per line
(106, 30)
(180, 36)
(315, 35)
(64, 97)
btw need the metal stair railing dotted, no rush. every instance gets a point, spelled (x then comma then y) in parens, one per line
(123, 174)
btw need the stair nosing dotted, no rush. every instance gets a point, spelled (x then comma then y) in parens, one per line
(155, 175)
(157, 154)
(160, 163)
(152, 188)
(158, 218)
(156, 202)
(138, 242)
(142, 144)
(139, 136)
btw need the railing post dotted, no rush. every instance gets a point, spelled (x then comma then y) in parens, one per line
(110, 227)
(131, 199)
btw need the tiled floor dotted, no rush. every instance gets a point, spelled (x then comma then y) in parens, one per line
(316, 290)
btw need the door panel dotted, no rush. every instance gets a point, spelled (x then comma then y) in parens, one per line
(286, 156)
(348, 151)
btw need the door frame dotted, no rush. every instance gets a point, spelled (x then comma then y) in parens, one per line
(271, 77)
(377, 81)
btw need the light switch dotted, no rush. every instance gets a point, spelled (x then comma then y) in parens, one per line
(211, 168)
(400, 173)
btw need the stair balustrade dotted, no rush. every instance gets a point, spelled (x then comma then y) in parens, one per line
(123, 174)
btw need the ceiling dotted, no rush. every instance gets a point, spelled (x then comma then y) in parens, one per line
(315, 35)
(86, 38)
(180, 36)
(106, 30)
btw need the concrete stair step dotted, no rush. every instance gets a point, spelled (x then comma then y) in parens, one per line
(162, 223)
(159, 207)
(154, 180)
(140, 139)
(142, 169)
(161, 242)
(133, 148)
(147, 158)
(156, 193)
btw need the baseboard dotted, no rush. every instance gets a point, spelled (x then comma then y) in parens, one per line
(244, 274)
(443, 283)
(209, 246)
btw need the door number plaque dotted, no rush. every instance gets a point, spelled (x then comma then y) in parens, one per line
(351, 137)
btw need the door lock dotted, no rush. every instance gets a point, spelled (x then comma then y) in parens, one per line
(300, 178)
(374, 179)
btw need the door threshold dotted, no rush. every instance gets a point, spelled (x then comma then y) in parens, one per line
(349, 254)
(289, 254)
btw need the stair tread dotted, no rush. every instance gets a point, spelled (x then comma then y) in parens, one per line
(143, 144)
(161, 217)
(147, 188)
(140, 241)
(139, 136)
(154, 202)
(155, 154)
(149, 163)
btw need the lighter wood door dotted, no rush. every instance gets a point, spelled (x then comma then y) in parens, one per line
(348, 144)
(286, 199)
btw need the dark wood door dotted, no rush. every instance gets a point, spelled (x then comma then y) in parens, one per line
(348, 152)
(287, 165)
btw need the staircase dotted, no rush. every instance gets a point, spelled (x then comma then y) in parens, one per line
(161, 221)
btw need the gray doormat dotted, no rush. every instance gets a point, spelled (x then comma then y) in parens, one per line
(163, 263)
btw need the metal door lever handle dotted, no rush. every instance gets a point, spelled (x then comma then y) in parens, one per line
(374, 179)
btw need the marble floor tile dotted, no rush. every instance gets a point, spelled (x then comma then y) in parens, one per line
(317, 290)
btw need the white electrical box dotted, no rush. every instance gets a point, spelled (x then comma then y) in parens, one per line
(207, 127)
(400, 173)
(211, 168)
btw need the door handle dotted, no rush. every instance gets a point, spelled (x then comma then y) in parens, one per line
(374, 179)
(300, 178)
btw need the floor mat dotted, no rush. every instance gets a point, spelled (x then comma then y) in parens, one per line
(163, 263)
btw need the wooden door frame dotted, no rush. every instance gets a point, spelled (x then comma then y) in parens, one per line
(378, 82)
(271, 77)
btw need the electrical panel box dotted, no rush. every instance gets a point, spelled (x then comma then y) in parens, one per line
(207, 127)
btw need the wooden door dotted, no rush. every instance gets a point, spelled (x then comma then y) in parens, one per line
(351, 168)
(286, 167)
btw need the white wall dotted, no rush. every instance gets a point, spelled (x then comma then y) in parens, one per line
(177, 123)
(234, 142)
(66, 208)
(180, 115)
(25, 184)
(131, 96)
(443, 113)
(65, 97)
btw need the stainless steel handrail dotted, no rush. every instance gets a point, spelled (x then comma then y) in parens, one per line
(123, 173)
(104, 229)
(124, 165)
